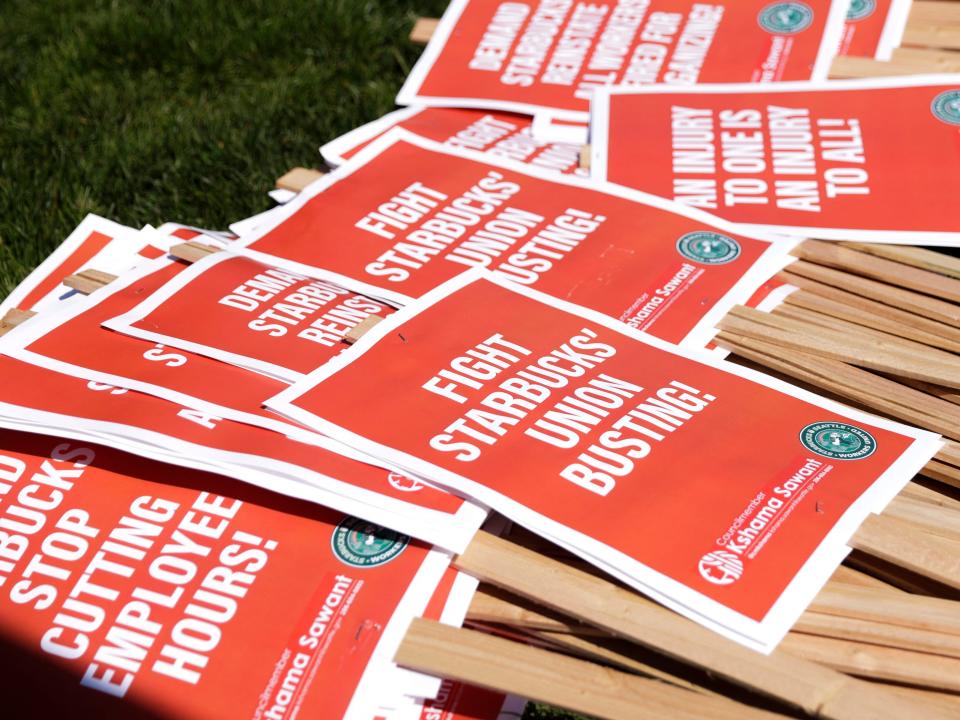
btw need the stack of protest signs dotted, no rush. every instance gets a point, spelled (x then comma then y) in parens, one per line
(666, 424)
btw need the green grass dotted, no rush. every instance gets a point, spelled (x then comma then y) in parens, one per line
(180, 110)
(186, 111)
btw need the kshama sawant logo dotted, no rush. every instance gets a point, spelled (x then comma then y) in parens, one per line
(747, 534)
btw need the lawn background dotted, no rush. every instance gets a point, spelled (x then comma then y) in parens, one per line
(184, 111)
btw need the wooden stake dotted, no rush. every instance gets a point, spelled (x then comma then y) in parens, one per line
(486, 661)
(946, 394)
(895, 297)
(930, 260)
(897, 542)
(88, 281)
(864, 305)
(884, 355)
(847, 576)
(13, 318)
(423, 30)
(296, 179)
(943, 12)
(928, 495)
(618, 653)
(878, 633)
(894, 608)
(931, 35)
(947, 702)
(857, 616)
(811, 687)
(877, 662)
(939, 520)
(361, 329)
(192, 251)
(850, 383)
(832, 308)
(941, 472)
(879, 268)
(850, 66)
(585, 157)
(927, 60)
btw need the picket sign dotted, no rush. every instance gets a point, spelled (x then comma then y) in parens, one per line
(906, 545)
(620, 255)
(921, 22)
(197, 311)
(489, 55)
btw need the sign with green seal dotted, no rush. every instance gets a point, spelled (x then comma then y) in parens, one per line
(946, 107)
(838, 441)
(362, 544)
(708, 248)
(785, 18)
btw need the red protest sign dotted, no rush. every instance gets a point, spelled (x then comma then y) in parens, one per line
(535, 56)
(505, 135)
(73, 342)
(147, 588)
(50, 402)
(407, 214)
(874, 28)
(846, 160)
(724, 493)
(248, 314)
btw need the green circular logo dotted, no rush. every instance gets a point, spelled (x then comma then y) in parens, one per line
(362, 544)
(860, 9)
(946, 106)
(709, 248)
(838, 441)
(785, 18)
